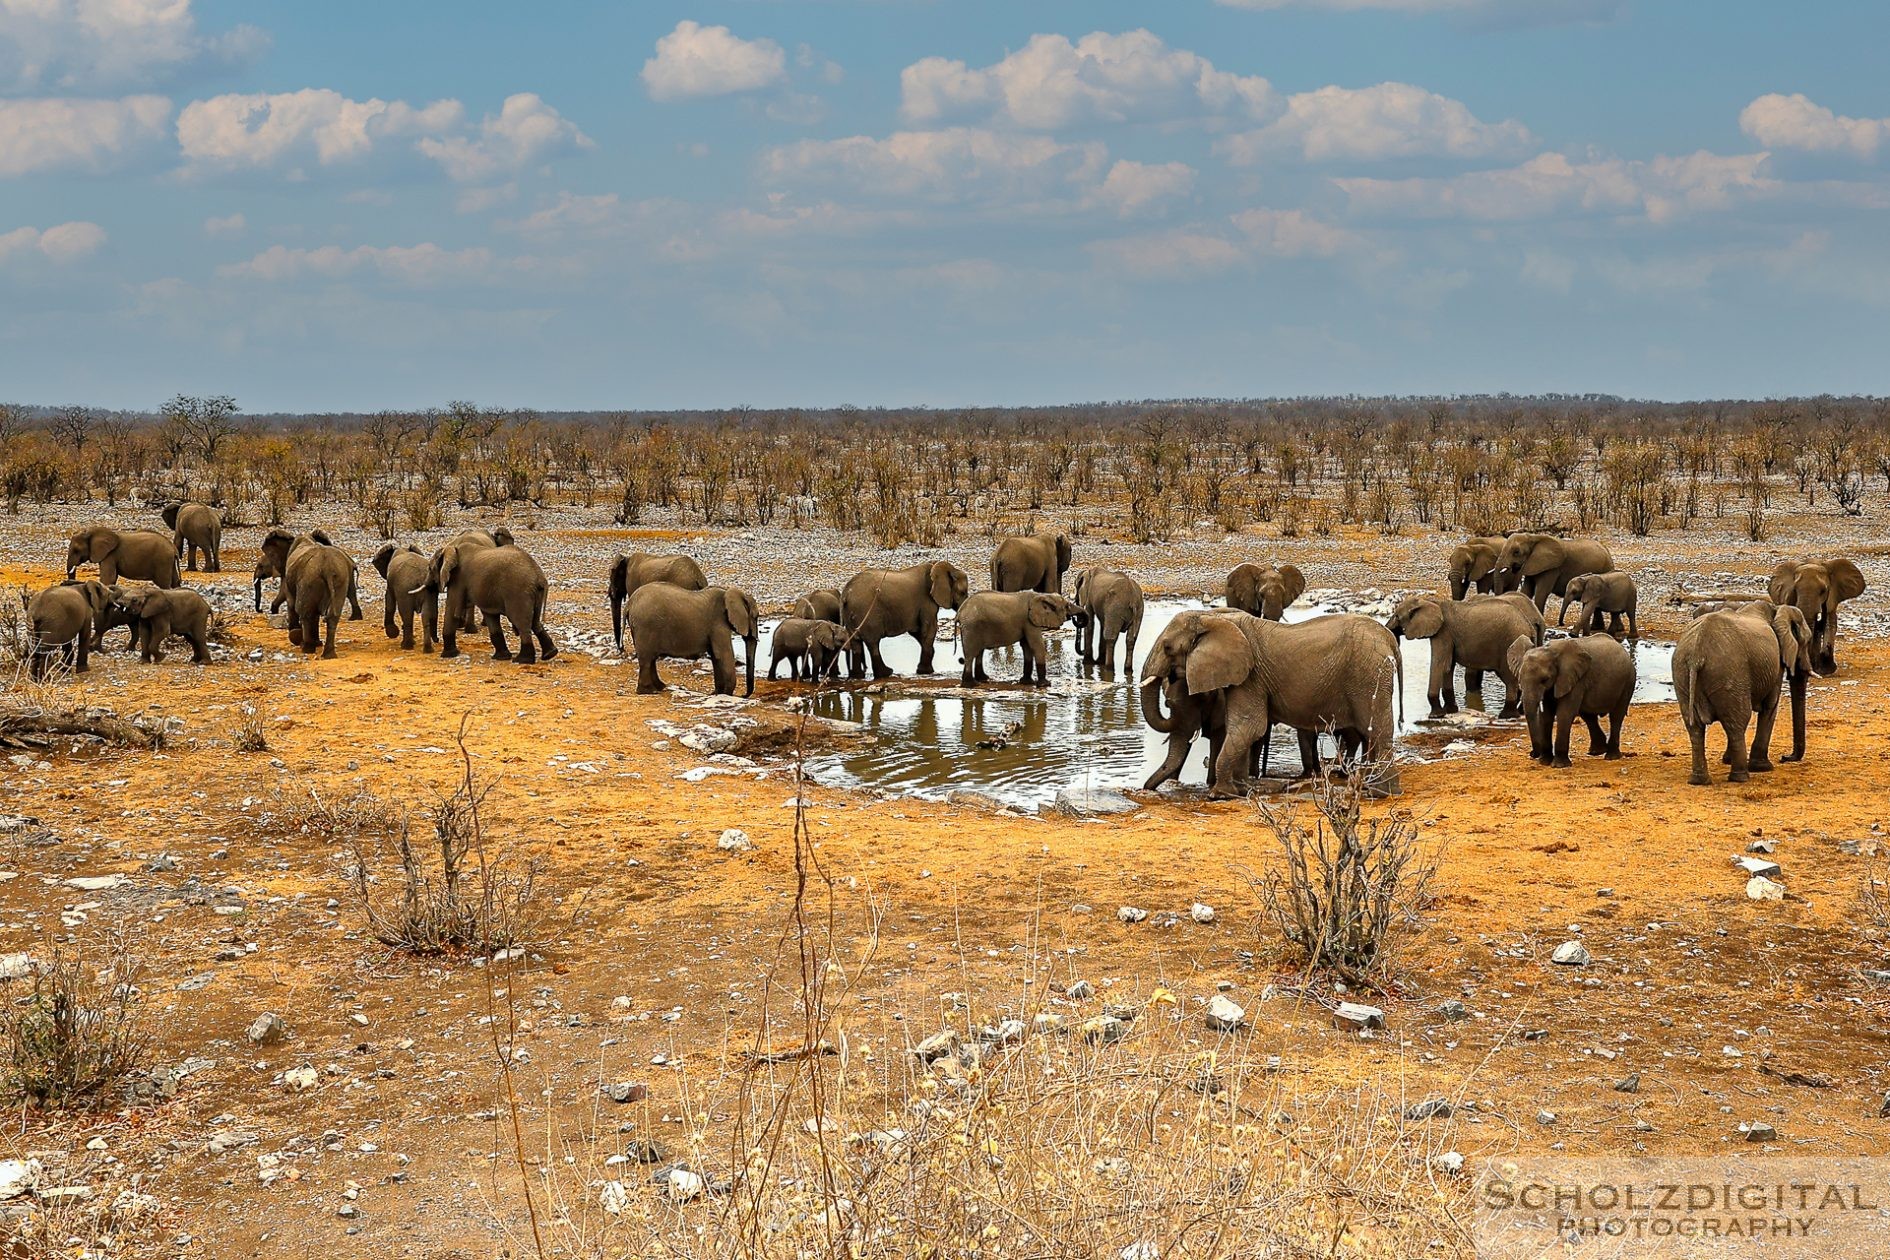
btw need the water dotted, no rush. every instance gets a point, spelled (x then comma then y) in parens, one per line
(1084, 726)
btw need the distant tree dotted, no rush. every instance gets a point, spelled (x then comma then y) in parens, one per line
(201, 424)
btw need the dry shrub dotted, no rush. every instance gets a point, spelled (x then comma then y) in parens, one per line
(74, 1027)
(252, 729)
(16, 638)
(1349, 883)
(1873, 895)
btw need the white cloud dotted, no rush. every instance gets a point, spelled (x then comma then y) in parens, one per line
(62, 243)
(1797, 122)
(954, 164)
(414, 266)
(571, 212)
(1529, 12)
(1294, 234)
(53, 134)
(92, 45)
(1052, 83)
(1132, 188)
(695, 61)
(1390, 120)
(228, 225)
(525, 131)
(1199, 251)
(1552, 186)
(265, 129)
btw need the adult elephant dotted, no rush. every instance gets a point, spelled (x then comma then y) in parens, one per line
(993, 619)
(317, 579)
(883, 603)
(1264, 590)
(1816, 588)
(61, 621)
(143, 554)
(1114, 603)
(410, 592)
(1473, 564)
(468, 541)
(1728, 667)
(1612, 593)
(272, 559)
(1340, 673)
(669, 621)
(196, 528)
(1187, 716)
(499, 582)
(638, 569)
(1036, 563)
(1540, 565)
(1591, 677)
(1474, 633)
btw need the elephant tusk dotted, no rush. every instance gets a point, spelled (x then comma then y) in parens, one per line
(1150, 681)
(416, 590)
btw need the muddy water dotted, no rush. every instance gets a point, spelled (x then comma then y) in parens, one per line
(1021, 744)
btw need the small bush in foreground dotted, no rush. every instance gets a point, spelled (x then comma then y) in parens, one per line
(72, 1029)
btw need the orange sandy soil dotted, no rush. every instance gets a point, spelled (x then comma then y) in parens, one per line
(640, 902)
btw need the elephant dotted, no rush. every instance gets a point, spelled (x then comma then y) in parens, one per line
(810, 646)
(1473, 563)
(317, 579)
(501, 581)
(669, 621)
(196, 528)
(881, 603)
(1474, 633)
(1264, 591)
(160, 614)
(144, 554)
(628, 572)
(272, 562)
(60, 621)
(1816, 588)
(1340, 673)
(1036, 563)
(1540, 565)
(825, 605)
(1613, 593)
(1592, 677)
(1727, 667)
(1187, 716)
(410, 590)
(993, 619)
(1114, 604)
(470, 540)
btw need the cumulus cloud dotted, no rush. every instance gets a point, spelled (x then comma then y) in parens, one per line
(412, 266)
(62, 243)
(1551, 185)
(227, 225)
(1257, 235)
(1390, 120)
(695, 61)
(1052, 83)
(1797, 122)
(93, 45)
(1517, 12)
(266, 129)
(59, 134)
(1133, 188)
(954, 164)
(525, 131)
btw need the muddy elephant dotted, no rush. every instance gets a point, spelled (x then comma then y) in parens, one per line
(809, 645)
(667, 621)
(995, 619)
(1816, 588)
(1264, 590)
(1474, 633)
(317, 582)
(143, 554)
(410, 593)
(61, 621)
(1114, 603)
(159, 614)
(196, 528)
(1612, 593)
(1591, 677)
(272, 559)
(1727, 668)
(1340, 673)
(1473, 565)
(883, 603)
(1540, 565)
(501, 582)
(629, 572)
(1036, 563)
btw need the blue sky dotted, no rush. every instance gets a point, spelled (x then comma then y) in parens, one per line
(812, 202)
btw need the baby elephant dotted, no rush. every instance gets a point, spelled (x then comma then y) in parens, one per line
(161, 614)
(1114, 604)
(1474, 633)
(1592, 677)
(993, 619)
(1727, 667)
(61, 620)
(1612, 593)
(809, 647)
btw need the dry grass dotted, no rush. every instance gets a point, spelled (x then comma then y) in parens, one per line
(251, 734)
(74, 1028)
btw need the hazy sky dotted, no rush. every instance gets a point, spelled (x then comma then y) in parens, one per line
(357, 205)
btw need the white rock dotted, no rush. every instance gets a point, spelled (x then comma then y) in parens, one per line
(95, 883)
(1132, 914)
(1201, 912)
(684, 1184)
(1759, 888)
(17, 1176)
(1449, 1162)
(1570, 954)
(300, 1079)
(1757, 866)
(614, 1197)
(16, 966)
(1082, 800)
(1224, 1014)
(1357, 1017)
(734, 840)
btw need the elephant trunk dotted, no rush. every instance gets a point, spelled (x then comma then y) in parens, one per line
(1159, 722)
(1799, 682)
(752, 641)
(1459, 586)
(1824, 641)
(259, 582)
(616, 619)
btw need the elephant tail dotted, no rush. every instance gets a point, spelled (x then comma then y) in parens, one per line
(1699, 713)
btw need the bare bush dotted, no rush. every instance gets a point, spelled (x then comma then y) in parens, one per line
(252, 729)
(75, 1027)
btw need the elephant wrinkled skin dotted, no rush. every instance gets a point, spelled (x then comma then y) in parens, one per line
(994, 619)
(1613, 593)
(883, 603)
(1727, 668)
(1474, 633)
(1114, 603)
(1473, 564)
(637, 569)
(410, 592)
(1264, 591)
(143, 554)
(501, 582)
(61, 622)
(809, 645)
(668, 621)
(1035, 563)
(1816, 588)
(1540, 565)
(1590, 677)
(160, 614)
(196, 528)
(317, 580)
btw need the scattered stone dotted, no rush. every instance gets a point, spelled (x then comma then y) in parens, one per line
(17, 1176)
(1883, 1108)
(1356, 1017)
(1878, 977)
(625, 1091)
(1086, 800)
(1449, 1162)
(1132, 914)
(1756, 866)
(1545, 1116)
(1048, 1022)
(1224, 1014)
(95, 883)
(937, 1046)
(735, 840)
(1005, 1033)
(1762, 846)
(1104, 1030)
(613, 1198)
(1200, 912)
(1140, 1251)
(1759, 1131)
(1079, 990)
(1451, 1011)
(1430, 1108)
(1571, 954)
(683, 1184)
(17, 966)
(641, 1151)
(1759, 888)
(267, 1029)
(1629, 1084)
(300, 1079)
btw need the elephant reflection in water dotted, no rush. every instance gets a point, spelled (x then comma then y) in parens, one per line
(996, 726)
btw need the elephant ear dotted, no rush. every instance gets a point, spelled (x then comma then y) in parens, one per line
(321, 536)
(1571, 669)
(1847, 581)
(1220, 658)
(1063, 552)
(445, 564)
(1546, 556)
(1044, 612)
(620, 577)
(501, 536)
(741, 612)
(827, 636)
(1424, 619)
(384, 557)
(942, 583)
(1295, 581)
(1482, 559)
(1794, 640)
(98, 595)
(170, 514)
(104, 543)
(1239, 591)
(1519, 647)
(1082, 583)
(1784, 583)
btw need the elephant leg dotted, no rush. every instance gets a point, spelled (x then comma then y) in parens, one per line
(1597, 742)
(495, 630)
(1237, 741)
(80, 653)
(1564, 726)
(880, 668)
(387, 622)
(1701, 777)
(1759, 760)
(774, 664)
(1615, 719)
(968, 676)
(429, 625)
(449, 643)
(307, 634)
(1633, 625)
(522, 627)
(406, 629)
(1736, 747)
(1035, 649)
(1309, 763)
(722, 661)
(199, 647)
(159, 631)
(1798, 686)
(354, 600)
(328, 647)
(648, 684)
(927, 635)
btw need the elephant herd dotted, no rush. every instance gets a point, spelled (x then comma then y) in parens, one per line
(1227, 673)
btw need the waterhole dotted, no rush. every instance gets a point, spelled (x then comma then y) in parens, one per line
(1019, 745)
